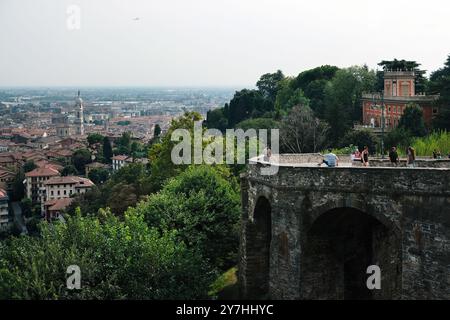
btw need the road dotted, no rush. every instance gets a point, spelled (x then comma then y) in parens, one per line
(18, 217)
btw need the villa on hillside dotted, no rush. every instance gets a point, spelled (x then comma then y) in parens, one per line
(399, 91)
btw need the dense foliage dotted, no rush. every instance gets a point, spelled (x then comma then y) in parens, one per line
(118, 260)
(412, 121)
(440, 84)
(124, 189)
(203, 207)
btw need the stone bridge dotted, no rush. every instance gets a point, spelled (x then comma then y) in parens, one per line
(310, 232)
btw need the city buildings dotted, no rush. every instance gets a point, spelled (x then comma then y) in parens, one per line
(120, 161)
(59, 193)
(35, 182)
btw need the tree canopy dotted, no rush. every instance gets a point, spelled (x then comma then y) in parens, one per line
(203, 207)
(412, 121)
(117, 259)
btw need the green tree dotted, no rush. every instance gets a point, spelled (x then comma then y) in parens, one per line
(302, 132)
(157, 130)
(69, 170)
(80, 159)
(440, 84)
(343, 99)
(118, 259)
(412, 120)
(360, 138)
(204, 208)
(18, 189)
(247, 104)
(107, 150)
(123, 189)
(399, 137)
(123, 144)
(288, 97)
(98, 175)
(313, 83)
(216, 119)
(268, 85)
(27, 207)
(29, 166)
(94, 138)
(258, 123)
(161, 164)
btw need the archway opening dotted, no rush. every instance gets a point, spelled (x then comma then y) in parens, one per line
(341, 244)
(261, 239)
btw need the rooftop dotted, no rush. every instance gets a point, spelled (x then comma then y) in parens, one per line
(59, 204)
(43, 172)
(3, 194)
(120, 158)
(78, 181)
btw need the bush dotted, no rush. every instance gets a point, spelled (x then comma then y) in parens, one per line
(118, 260)
(399, 138)
(204, 208)
(361, 138)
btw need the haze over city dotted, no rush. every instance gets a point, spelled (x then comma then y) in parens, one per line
(210, 43)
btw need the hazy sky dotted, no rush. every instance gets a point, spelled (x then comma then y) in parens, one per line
(210, 42)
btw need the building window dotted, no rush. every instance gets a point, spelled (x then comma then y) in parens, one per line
(405, 90)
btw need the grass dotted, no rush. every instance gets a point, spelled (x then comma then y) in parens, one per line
(436, 141)
(424, 147)
(225, 286)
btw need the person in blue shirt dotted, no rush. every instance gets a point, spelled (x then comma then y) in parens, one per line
(330, 159)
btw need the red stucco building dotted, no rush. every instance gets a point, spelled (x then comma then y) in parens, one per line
(399, 91)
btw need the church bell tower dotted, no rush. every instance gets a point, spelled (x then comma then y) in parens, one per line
(79, 116)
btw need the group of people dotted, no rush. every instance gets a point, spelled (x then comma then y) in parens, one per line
(332, 160)
(410, 157)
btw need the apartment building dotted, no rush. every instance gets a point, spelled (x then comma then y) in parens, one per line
(59, 192)
(35, 182)
(4, 209)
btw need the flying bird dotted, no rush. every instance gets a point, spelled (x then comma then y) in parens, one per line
(136, 19)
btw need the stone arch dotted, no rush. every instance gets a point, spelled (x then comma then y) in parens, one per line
(358, 204)
(344, 241)
(261, 237)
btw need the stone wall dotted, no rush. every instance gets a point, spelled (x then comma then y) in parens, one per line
(404, 226)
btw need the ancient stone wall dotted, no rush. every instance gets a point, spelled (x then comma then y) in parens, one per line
(396, 218)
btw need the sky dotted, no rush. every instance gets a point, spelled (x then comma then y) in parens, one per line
(213, 43)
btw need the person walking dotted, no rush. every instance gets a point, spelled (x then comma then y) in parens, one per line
(393, 156)
(365, 156)
(411, 157)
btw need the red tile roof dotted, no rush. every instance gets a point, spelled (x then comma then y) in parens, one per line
(3, 194)
(79, 181)
(58, 205)
(120, 158)
(43, 172)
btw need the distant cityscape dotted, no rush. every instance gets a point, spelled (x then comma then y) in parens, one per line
(46, 126)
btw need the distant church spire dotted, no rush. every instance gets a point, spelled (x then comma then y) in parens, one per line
(80, 117)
